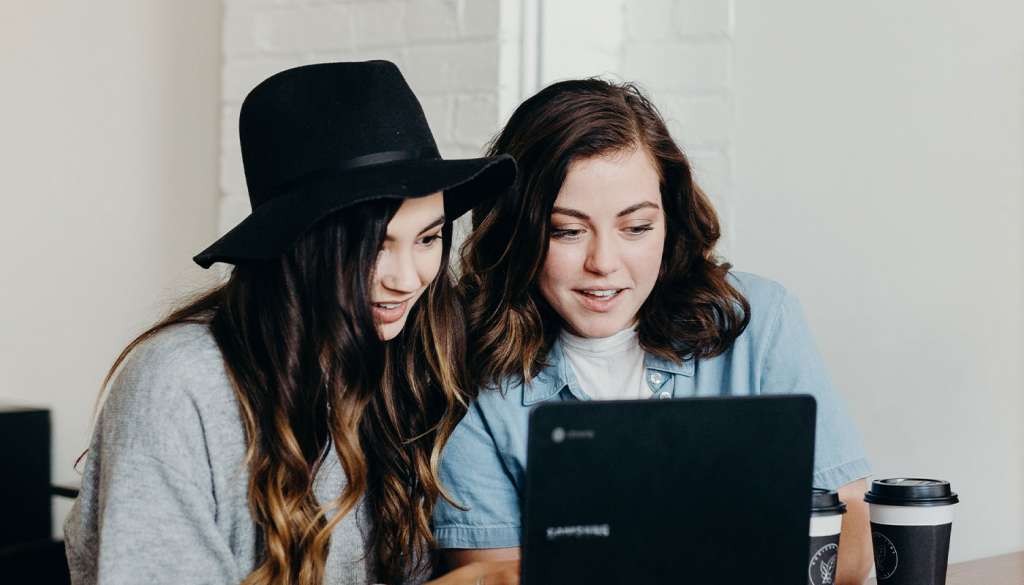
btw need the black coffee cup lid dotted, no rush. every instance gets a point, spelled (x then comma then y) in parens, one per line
(826, 503)
(910, 491)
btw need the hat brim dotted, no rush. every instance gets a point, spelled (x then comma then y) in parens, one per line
(273, 227)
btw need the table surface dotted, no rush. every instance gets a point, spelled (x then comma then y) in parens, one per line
(1001, 570)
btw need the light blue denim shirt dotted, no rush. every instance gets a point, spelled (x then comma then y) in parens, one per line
(483, 467)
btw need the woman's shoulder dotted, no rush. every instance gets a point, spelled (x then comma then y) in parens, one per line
(757, 289)
(178, 353)
(769, 301)
(173, 374)
(168, 345)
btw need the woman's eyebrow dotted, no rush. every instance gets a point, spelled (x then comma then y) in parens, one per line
(626, 211)
(637, 207)
(433, 224)
(570, 212)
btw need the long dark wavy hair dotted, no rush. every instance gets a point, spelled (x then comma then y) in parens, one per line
(693, 310)
(311, 375)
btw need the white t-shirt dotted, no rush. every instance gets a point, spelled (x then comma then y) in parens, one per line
(608, 368)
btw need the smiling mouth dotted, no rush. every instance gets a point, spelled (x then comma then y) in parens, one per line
(600, 293)
(388, 306)
(599, 300)
(391, 304)
(388, 312)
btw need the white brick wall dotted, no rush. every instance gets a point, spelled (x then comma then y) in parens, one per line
(580, 37)
(447, 49)
(679, 51)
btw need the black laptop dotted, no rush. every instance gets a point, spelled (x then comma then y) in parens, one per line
(702, 491)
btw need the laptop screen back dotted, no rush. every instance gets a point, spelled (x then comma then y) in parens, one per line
(702, 491)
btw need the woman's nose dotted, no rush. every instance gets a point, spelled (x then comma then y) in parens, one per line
(603, 256)
(398, 271)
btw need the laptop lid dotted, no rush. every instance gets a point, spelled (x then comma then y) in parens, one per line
(701, 490)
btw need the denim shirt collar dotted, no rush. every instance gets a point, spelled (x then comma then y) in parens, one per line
(559, 375)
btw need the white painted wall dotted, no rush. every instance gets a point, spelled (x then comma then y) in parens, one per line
(878, 173)
(109, 146)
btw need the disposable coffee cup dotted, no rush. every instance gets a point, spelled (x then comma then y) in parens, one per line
(826, 524)
(911, 521)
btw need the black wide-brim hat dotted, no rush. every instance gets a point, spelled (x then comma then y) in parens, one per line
(319, 138)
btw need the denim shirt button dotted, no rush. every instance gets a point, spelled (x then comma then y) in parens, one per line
(664, 395)
(655, 378)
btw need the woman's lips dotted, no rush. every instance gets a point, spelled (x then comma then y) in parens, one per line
(600, 300)
(386, 313)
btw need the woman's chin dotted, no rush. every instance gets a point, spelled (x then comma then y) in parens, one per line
(598, 328)
(389, 331)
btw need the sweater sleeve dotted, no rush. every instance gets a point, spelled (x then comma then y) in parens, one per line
(147, 511)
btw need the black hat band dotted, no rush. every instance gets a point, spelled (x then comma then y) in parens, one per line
(349, 164)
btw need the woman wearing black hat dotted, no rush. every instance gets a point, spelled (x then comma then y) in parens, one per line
(285, 427)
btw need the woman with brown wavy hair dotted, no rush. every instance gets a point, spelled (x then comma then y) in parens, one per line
(285, 427)
(596, 278)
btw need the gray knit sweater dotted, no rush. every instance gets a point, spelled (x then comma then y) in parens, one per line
(164, 489)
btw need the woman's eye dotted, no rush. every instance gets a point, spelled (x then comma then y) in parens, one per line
(429, 241)
(637, 230)
(565, 234)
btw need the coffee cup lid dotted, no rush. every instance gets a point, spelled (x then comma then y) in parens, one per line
(910, 491)
(826, 503)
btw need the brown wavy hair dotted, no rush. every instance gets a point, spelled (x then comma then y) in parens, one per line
(693, 311)
(311, 374)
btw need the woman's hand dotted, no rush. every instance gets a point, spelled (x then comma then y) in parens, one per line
(482, 573)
